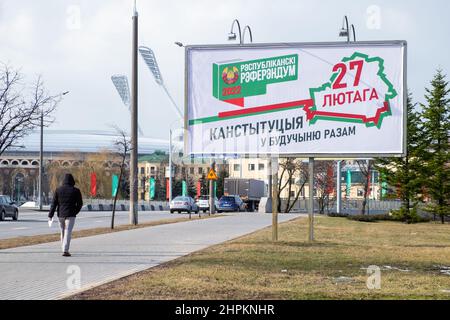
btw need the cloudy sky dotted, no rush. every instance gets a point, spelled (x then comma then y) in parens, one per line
(78, 44)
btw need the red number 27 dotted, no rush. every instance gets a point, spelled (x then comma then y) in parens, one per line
(342, 68)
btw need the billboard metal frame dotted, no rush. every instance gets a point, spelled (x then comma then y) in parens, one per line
(388, 43)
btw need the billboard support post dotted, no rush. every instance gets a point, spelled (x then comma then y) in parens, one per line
(311, 199)
(170, 166)
(269, 179)
(338, 187)
(274, 169)
(133, 214)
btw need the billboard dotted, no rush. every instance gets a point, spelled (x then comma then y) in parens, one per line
(311, 99)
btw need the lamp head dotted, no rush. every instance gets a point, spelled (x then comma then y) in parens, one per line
(343, 32)
(232, 36)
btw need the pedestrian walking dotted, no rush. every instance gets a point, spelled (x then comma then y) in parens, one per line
(67, 201)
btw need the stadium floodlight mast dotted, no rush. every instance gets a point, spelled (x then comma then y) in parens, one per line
(123, 89)
(41, 156)
(121, 84)
(150, 60)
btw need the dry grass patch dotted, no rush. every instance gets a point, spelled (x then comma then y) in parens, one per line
(252, 267)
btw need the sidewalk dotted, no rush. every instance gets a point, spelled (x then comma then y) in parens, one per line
(40, 272)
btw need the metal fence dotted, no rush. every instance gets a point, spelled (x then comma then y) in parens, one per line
(123, 201)
(123, 205)
(347, 206)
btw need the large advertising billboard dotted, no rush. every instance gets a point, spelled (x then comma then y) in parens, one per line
(316, 99)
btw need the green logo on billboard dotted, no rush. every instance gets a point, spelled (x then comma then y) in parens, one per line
(233, 81)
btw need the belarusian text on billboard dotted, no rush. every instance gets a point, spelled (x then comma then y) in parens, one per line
(302, 99)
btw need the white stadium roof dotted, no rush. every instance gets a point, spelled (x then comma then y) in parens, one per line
(82, 141)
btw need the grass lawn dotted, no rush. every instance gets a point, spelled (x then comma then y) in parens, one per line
(411, 258)
(45, 238)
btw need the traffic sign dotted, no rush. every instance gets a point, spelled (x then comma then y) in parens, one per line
(212, 175)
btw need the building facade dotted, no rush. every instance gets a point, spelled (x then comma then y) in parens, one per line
(258, 168)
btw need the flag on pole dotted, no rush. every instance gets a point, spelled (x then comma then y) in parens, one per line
(199, 188)
(349, 182)
(93, 184)
(152, 188)
(167, 189)
(184, 188)
(115, 185)
(384, 185)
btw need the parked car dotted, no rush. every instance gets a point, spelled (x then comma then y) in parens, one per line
(8, 208)
(231, 203)
(181, 204)
(203, 203)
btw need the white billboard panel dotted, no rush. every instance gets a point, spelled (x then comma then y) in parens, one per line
(317, 99)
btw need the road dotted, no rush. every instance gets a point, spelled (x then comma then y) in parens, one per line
(32, 222)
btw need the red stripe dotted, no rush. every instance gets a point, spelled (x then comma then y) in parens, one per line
(308, 102)
(237, 101)
(310, 114)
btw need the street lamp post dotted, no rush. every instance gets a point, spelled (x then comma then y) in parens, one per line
(133, 214)
(344, 32)
(19, 180)
(41, 158)
(41, 161)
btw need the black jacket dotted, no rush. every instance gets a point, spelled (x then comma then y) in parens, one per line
(67, 199)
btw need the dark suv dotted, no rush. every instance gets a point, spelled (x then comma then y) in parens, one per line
(231, 203)
(8, 208)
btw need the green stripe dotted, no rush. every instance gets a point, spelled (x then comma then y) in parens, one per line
(217, 118)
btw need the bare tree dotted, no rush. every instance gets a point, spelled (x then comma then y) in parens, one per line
(21, 111)
(123, 147)
(325, 184)
(292, 170)
(365, 167)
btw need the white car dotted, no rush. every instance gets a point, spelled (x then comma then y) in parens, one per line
(203, 203)
(181, 204)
